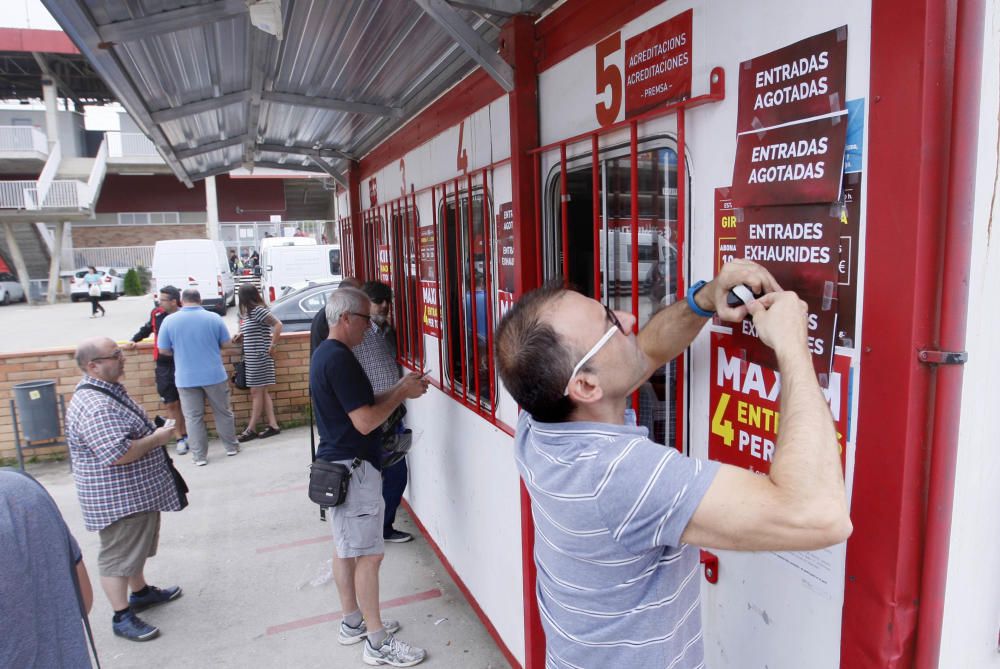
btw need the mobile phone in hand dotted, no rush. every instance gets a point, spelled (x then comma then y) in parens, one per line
(170, 422)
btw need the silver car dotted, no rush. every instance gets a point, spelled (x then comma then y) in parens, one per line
(297, 310)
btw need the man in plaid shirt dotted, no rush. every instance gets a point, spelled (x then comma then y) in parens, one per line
(123, 482)
(377, 355)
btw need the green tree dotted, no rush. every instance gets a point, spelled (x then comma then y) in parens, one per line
(132, 284)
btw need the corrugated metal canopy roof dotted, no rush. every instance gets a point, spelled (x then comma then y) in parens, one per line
(214, 92)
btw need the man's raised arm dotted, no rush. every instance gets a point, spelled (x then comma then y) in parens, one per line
(673, 329)
(801, 504)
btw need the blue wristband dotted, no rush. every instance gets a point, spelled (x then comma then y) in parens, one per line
(692, 305)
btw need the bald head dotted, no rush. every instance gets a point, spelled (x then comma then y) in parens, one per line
(92, 348)
(349, 282)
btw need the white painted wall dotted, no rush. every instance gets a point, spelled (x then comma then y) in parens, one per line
(970, 635)
(464, 488)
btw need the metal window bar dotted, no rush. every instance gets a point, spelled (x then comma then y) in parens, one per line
(634, 204)
(681, 224)
(488, 269)
(459, 283)
(538, 219)
(418, 302)
(595, 166)
(473, 290)
(440, 275)
(444, 315)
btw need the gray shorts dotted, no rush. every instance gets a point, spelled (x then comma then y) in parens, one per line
(357, 523)
(127, 542)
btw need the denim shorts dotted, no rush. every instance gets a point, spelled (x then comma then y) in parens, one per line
(357, 523)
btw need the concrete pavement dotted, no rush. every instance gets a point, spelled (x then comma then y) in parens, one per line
(65, 324)
(253, 559)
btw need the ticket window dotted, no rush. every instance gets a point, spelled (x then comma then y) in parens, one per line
(464, 308)
(657, 251)
(405, 282)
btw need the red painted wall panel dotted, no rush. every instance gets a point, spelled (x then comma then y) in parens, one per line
(239, 199)
(43, 41)
(250, 199)
(159, 192)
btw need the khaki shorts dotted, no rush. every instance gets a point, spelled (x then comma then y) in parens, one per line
(357, 523)
(127, 543)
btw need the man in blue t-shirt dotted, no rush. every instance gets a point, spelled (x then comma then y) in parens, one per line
(40, 598)
(195, 337)
(348, 415)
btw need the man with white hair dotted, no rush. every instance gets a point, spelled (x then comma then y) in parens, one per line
(348, 415)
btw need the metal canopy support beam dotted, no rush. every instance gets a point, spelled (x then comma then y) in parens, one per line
(287, 166)
(171, 21)
(334, 104)
(471, 42)
(304, 151)
(260, 45)
(326, 167)
(495, 7)
(215, 171)
(200, 106)
(212, 146)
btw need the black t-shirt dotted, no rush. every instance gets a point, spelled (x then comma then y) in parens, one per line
(339, 386)
(319, 330)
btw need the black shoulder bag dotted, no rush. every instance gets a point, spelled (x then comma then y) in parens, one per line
(328, 481)
(179, 482)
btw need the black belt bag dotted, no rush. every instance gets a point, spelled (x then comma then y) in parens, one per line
(328, 481)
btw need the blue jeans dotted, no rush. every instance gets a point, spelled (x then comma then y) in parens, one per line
(393, 485)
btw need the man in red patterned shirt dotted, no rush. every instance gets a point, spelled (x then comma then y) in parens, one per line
(123, 481)
(168, 302)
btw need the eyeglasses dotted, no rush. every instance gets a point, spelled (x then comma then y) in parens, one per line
(367, 317)
(116, 355)
(616, 325)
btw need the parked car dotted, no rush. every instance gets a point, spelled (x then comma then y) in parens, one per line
(297, 310)
(10, 289)
(112, 283)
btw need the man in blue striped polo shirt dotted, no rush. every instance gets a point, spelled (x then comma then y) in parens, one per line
(616, 515)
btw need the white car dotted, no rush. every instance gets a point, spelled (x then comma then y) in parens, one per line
(10, 289)
(112, 283)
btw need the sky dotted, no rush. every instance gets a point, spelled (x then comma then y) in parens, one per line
(32, 14)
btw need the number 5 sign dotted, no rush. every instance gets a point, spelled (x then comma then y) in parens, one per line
(657, 69)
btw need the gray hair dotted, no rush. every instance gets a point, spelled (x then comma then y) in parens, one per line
(344, 301)
(191, 296)
(88, 350)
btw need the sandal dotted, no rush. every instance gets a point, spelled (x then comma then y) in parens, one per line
(269, 432)
(246, 435)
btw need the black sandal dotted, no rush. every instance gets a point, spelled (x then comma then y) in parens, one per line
(246, 435)
(269, 432)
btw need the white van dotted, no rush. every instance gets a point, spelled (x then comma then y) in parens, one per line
(269, 242)
(195, 263)
(284, 266)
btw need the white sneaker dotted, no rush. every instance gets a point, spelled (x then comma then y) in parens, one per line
(393, 652)
(182, 446)
(200, 463)
(352, 635)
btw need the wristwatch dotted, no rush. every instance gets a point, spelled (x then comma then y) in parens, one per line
(692, 304)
